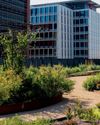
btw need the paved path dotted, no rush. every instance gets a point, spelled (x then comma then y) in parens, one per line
(56, 111)
(88, 98)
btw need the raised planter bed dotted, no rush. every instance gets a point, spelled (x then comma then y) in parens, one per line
(35, 104)
(87, 73)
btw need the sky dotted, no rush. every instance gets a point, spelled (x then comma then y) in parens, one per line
(34, 2)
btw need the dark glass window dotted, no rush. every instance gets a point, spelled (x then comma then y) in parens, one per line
(82, 36)
(41, 52)
(42, 19)
(50, 26)
(46, 19)
(74, 29)
(82, 44)
(34, 20)
(32, 52)
(81, 21)
(55, 26)
(45, 51)
(55, 18)
(77, 37)
(86, 36)
(41, 35)
(86, 28)
(77, 52)
(77, 29)
(86, 52)
(55, 9)
(74, 22)
(77, 44)
(51, 9)
(82, 29)
(42, 10)
(46, 35)
(46, 10)
(74, 14)
(37, 19)
(51, 18)
(50, 35)
(77, 21)
(86, 44)
(50, 51)
(77, 14)
(37, 52)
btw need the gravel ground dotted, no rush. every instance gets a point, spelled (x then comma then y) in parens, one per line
(88, 98)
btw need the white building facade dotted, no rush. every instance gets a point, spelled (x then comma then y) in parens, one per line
(67, 31)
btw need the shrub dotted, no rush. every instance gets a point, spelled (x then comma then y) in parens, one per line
(98, 105)
(92, 83)
(9, 81)
(89, 84)
(87, 114)
(53, 80)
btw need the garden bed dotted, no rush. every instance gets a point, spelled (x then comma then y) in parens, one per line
(35, 104)
(86, 73)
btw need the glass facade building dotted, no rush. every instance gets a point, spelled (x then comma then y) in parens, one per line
(14, 14)
(66, 30)
(44, 20)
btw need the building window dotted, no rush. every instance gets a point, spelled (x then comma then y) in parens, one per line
(77, 21)
(55, 26)
(82, 44)
(86, 28)
(77, 52)
(82, 52)
(77, 44)
(46, 10)
(51, 9)
(81, 29)
(51, 18)
(77, 29)
(42, 19)
(42, 10)
(45, 52)
(37, 20)
(50, 35)
(55, 9)
(50, 51)
(55, 18)
(46, 35)
(41, 51)
(46, 19)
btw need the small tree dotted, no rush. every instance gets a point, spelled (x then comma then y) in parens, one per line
(14, 45)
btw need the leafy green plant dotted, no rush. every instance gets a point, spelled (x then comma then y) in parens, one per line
(17, 121)
(14, 45)
(53, 81)
(92, 83)
(9, 82)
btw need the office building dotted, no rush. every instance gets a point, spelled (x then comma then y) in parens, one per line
(68, 32)
(14, 14)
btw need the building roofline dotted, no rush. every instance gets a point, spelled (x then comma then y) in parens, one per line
(90, 2)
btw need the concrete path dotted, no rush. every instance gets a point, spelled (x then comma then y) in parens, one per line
(57, 111)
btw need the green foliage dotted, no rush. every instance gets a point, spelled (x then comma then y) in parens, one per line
(16, 121)
(98, 105)
(34, 83)
(87, 114)
(92, 83)
(14, 45)
(9, 81)
(52, 80)
(81, 69)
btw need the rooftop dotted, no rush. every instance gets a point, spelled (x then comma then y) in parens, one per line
(90, 2)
